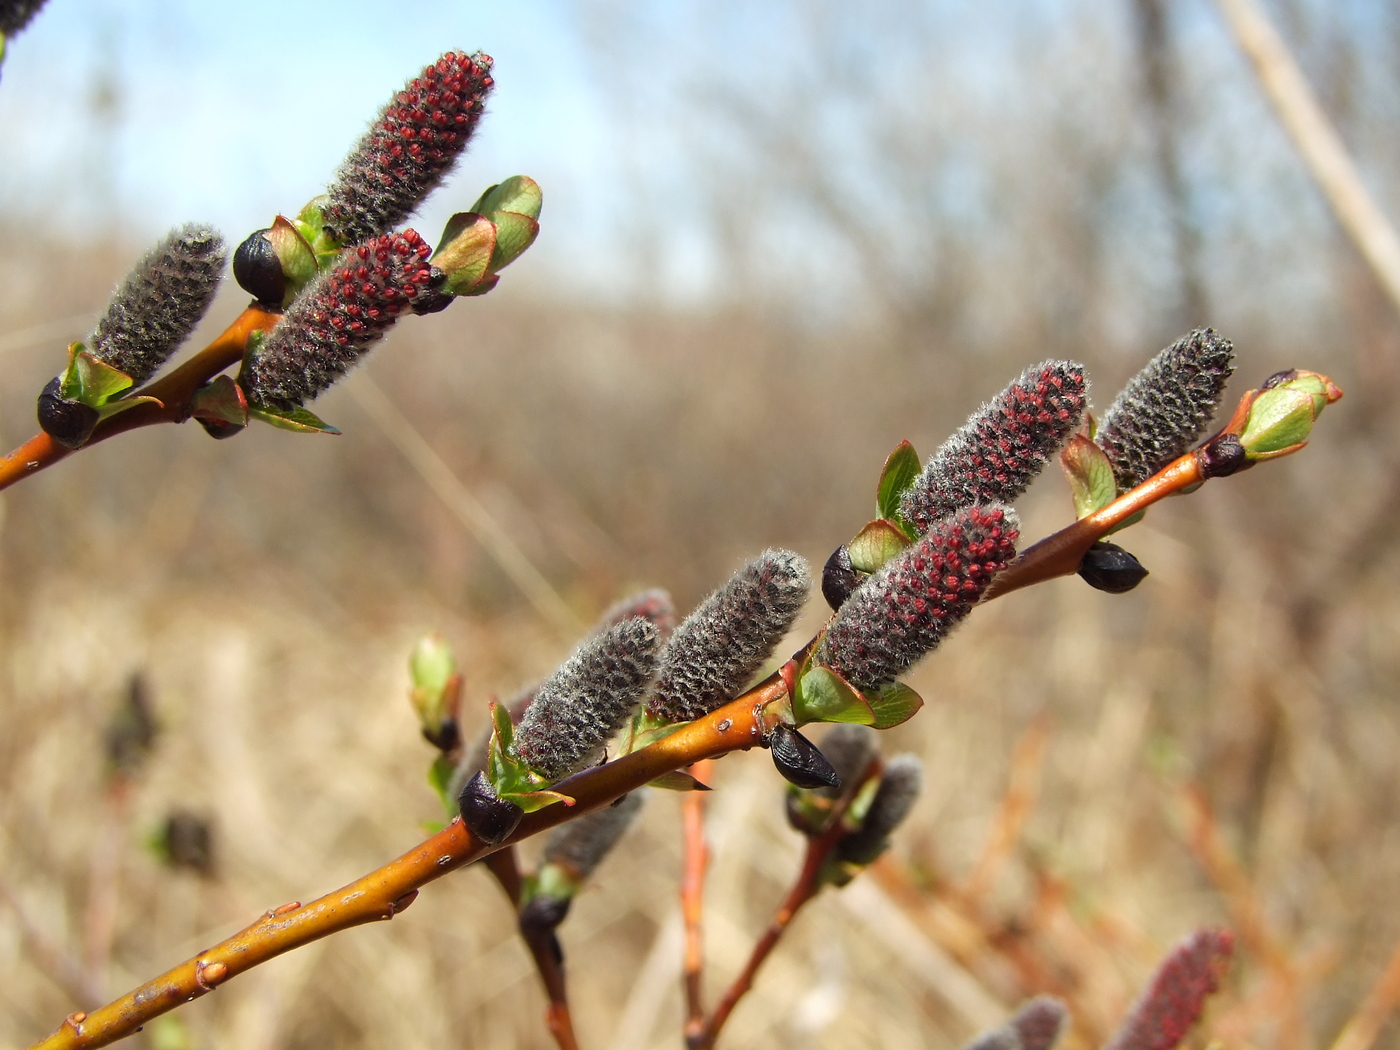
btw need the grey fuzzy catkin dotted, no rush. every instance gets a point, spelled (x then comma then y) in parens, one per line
(1002, 447)
(1166, 407)
(588, 699)
(160, 302)
(15, 14)
(580, 845)
(900, 782)
(1035, 1026)
(718, 647)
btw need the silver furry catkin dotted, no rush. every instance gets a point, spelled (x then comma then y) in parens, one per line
(1166, 407)
(580, 845)
(588, 699)
(409, 149)
(900, 782)
(999, 451)
(718, 647)
(162, 299)
(908, 607)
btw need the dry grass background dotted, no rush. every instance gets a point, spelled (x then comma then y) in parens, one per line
(269, 589)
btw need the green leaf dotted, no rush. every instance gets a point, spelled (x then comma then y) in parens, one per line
(894, 703)
(876, 544)
(301, 420)
(677, 780)
(465, 251)
(519, 193)
(901, 468)
(1090, 475)
(90, 381)
(221, 400)
(824, 696)
(514, 233)
(294, 252)
(530, 801)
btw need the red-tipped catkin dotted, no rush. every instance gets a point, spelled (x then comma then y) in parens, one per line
(15, 14)
(340, 315)
(588, 699)
(1166, 407)
(1175, 998)
(409, 149)
(1038, 1023)
(719, 646)
(999, 451)
(906, 609)
(580, 845)
(162, 299)
(900, 782)
(1035, 1026)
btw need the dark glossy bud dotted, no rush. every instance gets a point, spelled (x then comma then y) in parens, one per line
(799, 761)
(1278, 378)
(258, 271)
(70, 423)
(187, 841)
(218, 429)
(1223, 456)
(1108, 567)
(488, 817)
(446, 736)
(544, 912)
(840, 578)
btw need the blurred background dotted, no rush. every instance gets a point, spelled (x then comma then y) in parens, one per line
(777, 239)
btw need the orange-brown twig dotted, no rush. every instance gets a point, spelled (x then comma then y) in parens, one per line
(380, 894)
(696, 856)
(1359, 1033)
(173, 392)
(807, 885)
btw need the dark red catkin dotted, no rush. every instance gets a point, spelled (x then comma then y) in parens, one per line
(409, 149)
(718, 647)
(999, 451)
(588, 699)
(341, 314)
(1166, 407)
(1176, 996)
(162, 299)
(906, 609)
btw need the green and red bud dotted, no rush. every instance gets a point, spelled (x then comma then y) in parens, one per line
(437, 692)
(476, 245)
(1281, 416)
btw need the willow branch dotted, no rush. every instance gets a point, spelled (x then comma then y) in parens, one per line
(696, 857)
(173, 391)
(382, 893)
(806, 886)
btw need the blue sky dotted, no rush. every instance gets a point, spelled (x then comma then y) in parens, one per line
(231, 113)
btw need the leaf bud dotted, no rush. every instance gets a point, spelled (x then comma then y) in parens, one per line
(1282, 415)
(799, 760)
(1108, 567)
(437, 692)
(488, 817)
